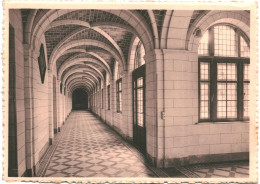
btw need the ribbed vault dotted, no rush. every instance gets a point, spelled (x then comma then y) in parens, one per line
(91, 41)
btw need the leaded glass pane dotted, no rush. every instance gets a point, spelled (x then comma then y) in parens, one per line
(120, 86)
(246, 72)
(204, 100)
(231, 91)
(227, 100)
(222, 108)
(246, 99)
(231, 109)
(140, 107)
(119, 95)
(225, 41)
(231, 72)
(204, 71)
(222, 71)
(120, 102)
(244, 49)
(227, 72)
(139, 55)
(108, 97)
(222, 91)
(140, 82)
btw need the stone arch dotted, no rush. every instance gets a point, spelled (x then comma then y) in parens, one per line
(81, 43)
(93, 80)
(113, 24)
(77, 85)
(70, 90)
(81, 86)
(165, 28)
(71, 62)
(239, 19)
(82, 70)
(131, 55)
(131, 17)
(91, 52)
(29, 24)
(155, 30)
(76, 81)
(85, 24)
(177, 29)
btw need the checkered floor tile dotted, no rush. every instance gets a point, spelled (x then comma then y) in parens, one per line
(238, 169)
(88, 148)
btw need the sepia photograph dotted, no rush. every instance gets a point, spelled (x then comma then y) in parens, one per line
(130, 93)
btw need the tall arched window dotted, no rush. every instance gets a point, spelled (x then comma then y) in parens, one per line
(139, 55)
(119, 90)
(223, 74)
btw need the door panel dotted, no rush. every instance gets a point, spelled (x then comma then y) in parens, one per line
(139, 130)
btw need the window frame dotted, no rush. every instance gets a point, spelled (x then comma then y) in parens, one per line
(118, 93)
(102, 98)
(213, 87)
(213, 61)
(138, 53)
(108, 97)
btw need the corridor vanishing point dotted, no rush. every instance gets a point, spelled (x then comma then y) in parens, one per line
(129, 93)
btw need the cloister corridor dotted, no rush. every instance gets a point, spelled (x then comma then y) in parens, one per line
(147, 93)
(86, 147)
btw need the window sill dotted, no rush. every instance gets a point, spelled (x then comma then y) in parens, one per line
(221, 122)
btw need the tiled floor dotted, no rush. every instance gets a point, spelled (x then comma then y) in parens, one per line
(86, 147)
(238, 169)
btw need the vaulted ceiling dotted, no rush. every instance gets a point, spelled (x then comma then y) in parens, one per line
(84, 44)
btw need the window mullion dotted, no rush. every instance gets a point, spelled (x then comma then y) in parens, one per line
(226, 92)
(211, 42)
(213, 90)
(238, 44)
(240, 91)
(117, 96)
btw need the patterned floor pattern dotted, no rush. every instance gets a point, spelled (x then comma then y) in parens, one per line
(88, 148)
(216, 170)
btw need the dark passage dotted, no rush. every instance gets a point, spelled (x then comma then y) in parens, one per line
(79, 99)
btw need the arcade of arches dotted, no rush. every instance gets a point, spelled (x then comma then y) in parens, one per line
(174, 83)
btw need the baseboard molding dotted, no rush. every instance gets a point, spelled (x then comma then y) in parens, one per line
(192, 159)
(115, 129)
(209, 158)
